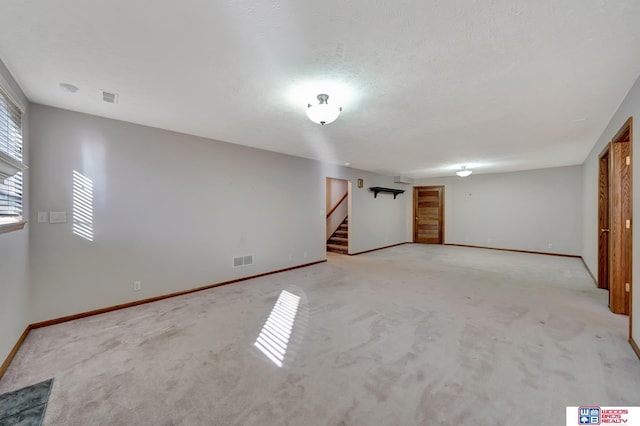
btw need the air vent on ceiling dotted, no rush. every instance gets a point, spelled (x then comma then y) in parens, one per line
(110, 97)
(402, 179)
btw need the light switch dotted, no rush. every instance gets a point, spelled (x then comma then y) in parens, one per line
(57, 217)
(628, 223)
(43, 217)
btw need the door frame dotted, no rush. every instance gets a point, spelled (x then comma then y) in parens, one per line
(627, 130)
(604, 168)
(347, 200)
(441, 213)
(618, 230)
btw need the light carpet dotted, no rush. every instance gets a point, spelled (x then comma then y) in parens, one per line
(411, 335)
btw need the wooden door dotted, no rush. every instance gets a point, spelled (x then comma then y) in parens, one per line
(620, 229)
(428, 208)
(603, 220)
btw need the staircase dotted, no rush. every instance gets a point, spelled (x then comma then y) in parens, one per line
(339, 241)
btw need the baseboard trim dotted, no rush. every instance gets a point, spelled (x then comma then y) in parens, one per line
(516, 250)
(162, 297)
(14, 351)
(535, 252)
(379, 248)
(593, 277)
(634, 346)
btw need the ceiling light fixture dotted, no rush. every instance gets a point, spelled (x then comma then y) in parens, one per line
(463, 172)
(323, 113)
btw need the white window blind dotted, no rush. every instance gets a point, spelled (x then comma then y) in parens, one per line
(10, 144)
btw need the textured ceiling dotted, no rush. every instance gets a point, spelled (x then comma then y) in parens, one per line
(425, 85)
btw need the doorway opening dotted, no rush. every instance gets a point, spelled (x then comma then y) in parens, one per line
(338, 208)
(615, 210)
(603, 220)
(428, 213)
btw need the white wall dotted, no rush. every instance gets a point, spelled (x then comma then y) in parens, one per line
(336, 189)
(630, 107)
(14, 249)
(171, 210)
(522, 210)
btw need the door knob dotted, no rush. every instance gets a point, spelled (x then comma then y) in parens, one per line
(604, 230)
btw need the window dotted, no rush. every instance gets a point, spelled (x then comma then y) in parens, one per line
(10, 160)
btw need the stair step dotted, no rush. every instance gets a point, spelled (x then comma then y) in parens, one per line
(334, 243)
(337, 248)
(339, 241)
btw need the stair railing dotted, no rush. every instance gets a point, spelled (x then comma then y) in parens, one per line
(337, 204)
(332, 224)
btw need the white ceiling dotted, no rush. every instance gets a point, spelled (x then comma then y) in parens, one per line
(426, 86)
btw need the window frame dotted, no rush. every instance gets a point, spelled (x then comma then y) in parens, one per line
(18, 102)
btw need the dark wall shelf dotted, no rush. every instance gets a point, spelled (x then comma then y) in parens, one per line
(378, 189)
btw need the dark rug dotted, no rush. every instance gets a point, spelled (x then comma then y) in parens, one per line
(26, 406)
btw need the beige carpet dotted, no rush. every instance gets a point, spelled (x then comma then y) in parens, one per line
(415, 334)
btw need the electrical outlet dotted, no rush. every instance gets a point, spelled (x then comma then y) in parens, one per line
(57, 217)
(43, 217)
(304, 255)
(627, 287)
(137, 285)
(549, 245)
(489, 240)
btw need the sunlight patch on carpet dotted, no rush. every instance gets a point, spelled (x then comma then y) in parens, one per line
(276, 331)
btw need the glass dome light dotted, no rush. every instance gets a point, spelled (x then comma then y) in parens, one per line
(463, 172)
(323, 113)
